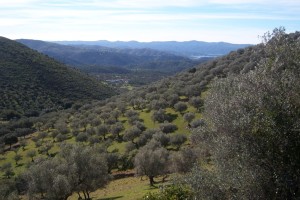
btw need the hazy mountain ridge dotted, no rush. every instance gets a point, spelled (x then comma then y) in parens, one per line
(136, 66)
(85, 55)
(188, 48)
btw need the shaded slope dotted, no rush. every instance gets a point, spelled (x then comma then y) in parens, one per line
(30, 81)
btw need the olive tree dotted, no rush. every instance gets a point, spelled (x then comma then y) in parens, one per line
(82, 137)
(131, 134)
(180, 107)
(183, 161)
(75, 169)
(188, 117)
(253, 127)
(7, 170)
(31, 154)
(168, 127)
(41, 176)
(178, 139)
(161, 137)
(151, 160)
(116, 129)
(197, 102)
(102, 130)
(90, 172)
(159, 116)
(8, 190)
(17, 158)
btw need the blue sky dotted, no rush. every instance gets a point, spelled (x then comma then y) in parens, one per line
(236, 21)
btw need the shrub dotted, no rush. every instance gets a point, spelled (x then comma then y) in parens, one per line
(176, 192)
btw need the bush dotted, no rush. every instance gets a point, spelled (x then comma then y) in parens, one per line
(168, 127)
(173, 192)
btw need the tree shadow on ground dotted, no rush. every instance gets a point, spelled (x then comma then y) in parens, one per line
(171, 117)
(111, 198)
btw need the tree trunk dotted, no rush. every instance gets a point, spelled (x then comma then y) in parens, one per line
(135, 143)
(84, 195)
(79, 196)
(88, 195)
(151, 179)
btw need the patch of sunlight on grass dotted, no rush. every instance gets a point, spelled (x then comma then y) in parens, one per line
(119, 146)
(179, 122)
(130, 188)
(146, 117)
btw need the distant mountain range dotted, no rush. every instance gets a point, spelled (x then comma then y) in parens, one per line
(84, 56)
(189, 48)
(140, 63)
(94, 54)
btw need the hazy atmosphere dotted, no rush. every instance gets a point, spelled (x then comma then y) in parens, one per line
(235, 21)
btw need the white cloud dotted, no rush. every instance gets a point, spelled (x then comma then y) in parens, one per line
(159, 3)
(235, 2)
(17, 3)
(259, 2)
(142, 19)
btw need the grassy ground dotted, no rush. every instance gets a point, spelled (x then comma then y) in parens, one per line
(130, 188)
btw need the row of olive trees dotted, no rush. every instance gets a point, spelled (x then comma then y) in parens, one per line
(253, 129)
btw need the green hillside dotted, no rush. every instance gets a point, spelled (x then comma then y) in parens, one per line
(31, 82)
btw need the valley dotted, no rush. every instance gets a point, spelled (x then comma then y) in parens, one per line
(75, 116)
(141, 65)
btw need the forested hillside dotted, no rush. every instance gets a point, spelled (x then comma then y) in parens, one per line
(226, 129)
(31, 83)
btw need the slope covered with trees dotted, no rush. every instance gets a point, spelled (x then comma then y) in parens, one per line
(31, 82)
(252, 129)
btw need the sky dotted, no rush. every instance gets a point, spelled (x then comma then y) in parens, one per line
(235, 21)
